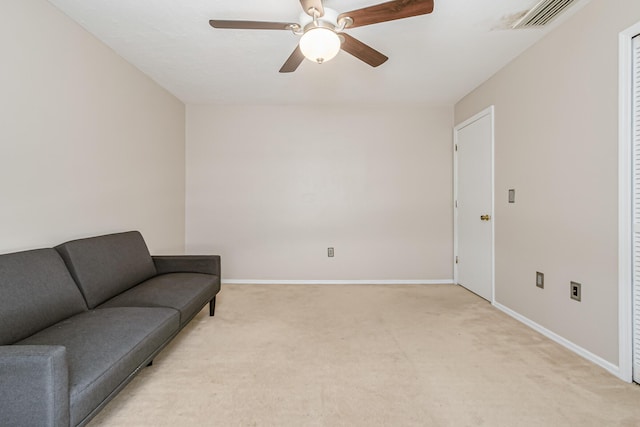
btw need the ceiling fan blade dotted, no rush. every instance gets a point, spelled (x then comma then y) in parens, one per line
(292, 63)
(251, 25)
(309, 5)
(388, 11)
(361, 51)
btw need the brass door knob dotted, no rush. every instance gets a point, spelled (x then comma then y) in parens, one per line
(485, 217)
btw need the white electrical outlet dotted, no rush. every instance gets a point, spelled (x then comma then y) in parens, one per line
(576, 291)
(330, 252)
(540, 280)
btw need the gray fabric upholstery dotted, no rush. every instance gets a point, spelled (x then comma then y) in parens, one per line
(35, 386)
(186, 292)
(36, 291)
(66, 362)
(105, 266)
(104, 347)
(206, 264)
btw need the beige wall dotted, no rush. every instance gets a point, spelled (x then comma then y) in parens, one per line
(556, 144)
(270, 188)
(88, 144)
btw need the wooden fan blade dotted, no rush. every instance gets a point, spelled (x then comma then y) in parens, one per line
(251, 25)
(388, 11)
(292, 63)
(309, 5)
(361, 51)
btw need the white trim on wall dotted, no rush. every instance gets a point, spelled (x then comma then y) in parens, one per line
(615, 370)
(336, 282)
(625, 286)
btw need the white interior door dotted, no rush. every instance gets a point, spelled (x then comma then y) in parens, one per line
(636, 208)
(474, 204)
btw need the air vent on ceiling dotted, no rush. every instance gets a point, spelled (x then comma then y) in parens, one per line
(543, 13)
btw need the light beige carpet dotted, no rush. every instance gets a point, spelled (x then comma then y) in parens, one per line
(433, 355)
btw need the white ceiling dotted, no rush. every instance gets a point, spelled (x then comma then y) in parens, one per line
(433, 59)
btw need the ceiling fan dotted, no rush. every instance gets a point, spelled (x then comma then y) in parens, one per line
(322, 29)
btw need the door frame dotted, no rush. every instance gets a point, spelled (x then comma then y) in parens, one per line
(625, 194)
(489, 111)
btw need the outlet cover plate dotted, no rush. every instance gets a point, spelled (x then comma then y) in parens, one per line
(576, 291)
(540, 280)
(330, 252)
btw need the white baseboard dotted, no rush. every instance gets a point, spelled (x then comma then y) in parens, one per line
(336, 282)
(615, 370)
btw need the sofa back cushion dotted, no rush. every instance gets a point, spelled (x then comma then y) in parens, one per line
(36, 291)
(105, 266)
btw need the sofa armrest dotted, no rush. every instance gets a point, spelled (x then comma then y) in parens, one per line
(207, 264)
(34, 386)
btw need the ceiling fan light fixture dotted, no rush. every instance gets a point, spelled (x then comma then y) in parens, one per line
(320, 44)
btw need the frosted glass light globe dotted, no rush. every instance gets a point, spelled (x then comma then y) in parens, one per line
(320, 44)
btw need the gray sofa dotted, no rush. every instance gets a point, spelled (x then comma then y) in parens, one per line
(78, 321)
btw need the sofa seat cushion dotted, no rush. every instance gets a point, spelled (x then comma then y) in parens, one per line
(186, 292)
(104, 347)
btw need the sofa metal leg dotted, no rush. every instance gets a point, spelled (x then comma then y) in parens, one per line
(150, 363)
(212, 306)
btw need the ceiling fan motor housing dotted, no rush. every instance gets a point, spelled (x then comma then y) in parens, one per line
(330, 18)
